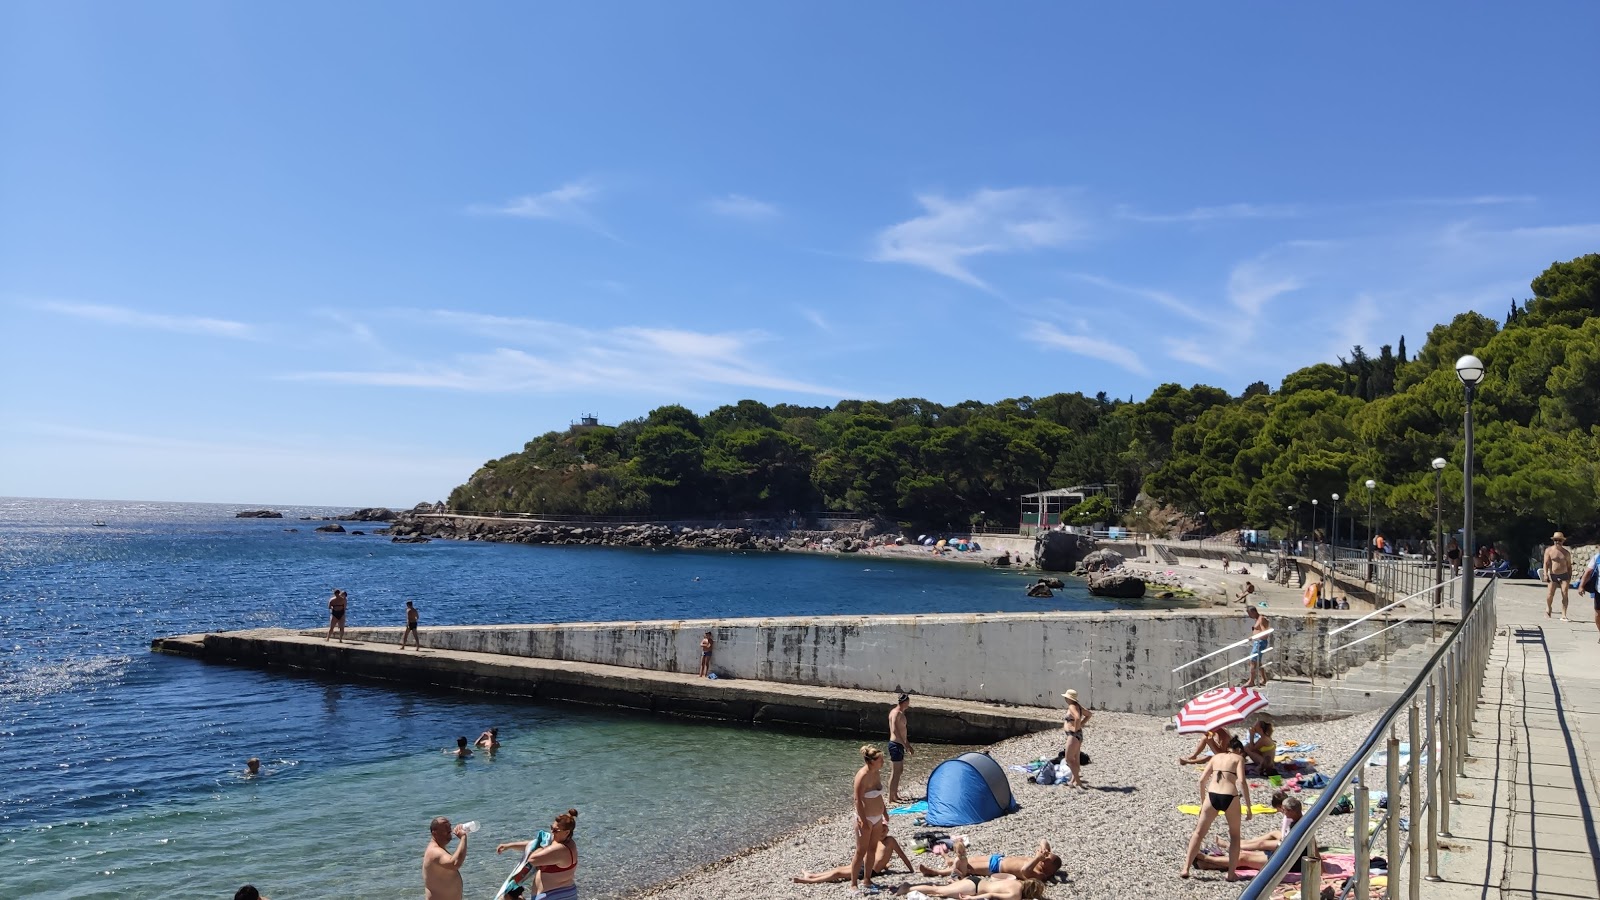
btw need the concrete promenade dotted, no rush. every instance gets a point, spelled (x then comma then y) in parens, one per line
(1526, 825)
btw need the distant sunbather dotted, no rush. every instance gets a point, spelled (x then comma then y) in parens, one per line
(976, 887)
(1215, 741)
(1043, 865)
(886, 854)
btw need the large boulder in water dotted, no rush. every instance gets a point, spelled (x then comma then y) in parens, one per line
(335, 528)
(1117, 584)
(257, 514)
(1059, 551)
(1102, 561)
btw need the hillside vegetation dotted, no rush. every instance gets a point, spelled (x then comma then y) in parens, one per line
(1243, 461)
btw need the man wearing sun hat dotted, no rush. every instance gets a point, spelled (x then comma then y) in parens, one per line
(1557, 569)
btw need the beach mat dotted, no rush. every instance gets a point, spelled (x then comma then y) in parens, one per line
(910, 809)
(1333, 866)
(1193, 809)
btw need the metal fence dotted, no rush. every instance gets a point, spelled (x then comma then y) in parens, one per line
(1435, 712)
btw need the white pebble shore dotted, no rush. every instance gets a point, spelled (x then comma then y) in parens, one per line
(1122, 837)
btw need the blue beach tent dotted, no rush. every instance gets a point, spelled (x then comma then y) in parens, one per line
(968, 789)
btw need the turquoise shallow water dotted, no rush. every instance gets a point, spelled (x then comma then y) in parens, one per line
(119, 768)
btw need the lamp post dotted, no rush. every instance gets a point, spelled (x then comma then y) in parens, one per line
(1469, 369)
(1313, 529)
(1438, 529)
(1370, 569)
(1334, 535)
(1289, 537)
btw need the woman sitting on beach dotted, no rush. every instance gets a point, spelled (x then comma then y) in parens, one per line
(1212, 742)
(1042, 866)
(979, 887)
(886, 854)
(1262, 751)
(872, 815)
(1224, 790)
(554, 865)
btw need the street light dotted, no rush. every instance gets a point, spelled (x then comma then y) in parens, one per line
(1438, 529)
(1313, 529)
(1371, 570)
(1335, 538)
(1469, 369)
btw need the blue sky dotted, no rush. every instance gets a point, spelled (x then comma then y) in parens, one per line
(344, 253)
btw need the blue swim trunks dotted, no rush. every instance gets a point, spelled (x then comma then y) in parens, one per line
(994, 862)
(1258, 648)
(897, 752)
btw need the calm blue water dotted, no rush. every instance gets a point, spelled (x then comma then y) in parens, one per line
(119, 769)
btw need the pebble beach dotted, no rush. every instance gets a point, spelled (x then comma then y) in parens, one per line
(1122, 837)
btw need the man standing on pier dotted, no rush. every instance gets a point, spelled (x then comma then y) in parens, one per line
(1258, 647)
(1557, 571)
(441, 869)
(899, 746)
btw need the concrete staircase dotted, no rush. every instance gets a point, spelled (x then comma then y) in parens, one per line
(1368, 686)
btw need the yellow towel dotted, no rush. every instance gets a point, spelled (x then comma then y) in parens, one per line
(1193, 809)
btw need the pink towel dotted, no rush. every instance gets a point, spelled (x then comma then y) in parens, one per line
(1333, 866)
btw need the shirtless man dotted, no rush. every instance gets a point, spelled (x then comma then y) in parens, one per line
(887, 850)
(1557, 570)
(706, 643)
(441, 869)
(337, 604)
(412, 616)
(1258, 647)
(252, 767)
(899, 746)
(977, 887)
(1216, 740)
(1042, 866)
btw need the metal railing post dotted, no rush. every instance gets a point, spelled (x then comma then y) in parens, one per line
(1442, 765)
(1391, 788)
(1433, 782)
(1414, 781)
(1311, 878)
(1363, 816)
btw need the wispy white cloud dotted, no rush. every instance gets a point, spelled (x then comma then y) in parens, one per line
(1214, 213)
(570, 203)
(816, 318)
(1049, 335)
(952, 233)
(1253, 284)
(556, 357)
(132, 318)
(1204, 355)
(1164, 298)
(738, 206)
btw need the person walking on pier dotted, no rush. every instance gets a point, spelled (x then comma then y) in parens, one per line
(899, 746)
(1258, 647)
(337, 605)
(1591, 582)
(412, 616)
(1557, 570)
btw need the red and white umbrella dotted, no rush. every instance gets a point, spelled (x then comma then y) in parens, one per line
(1218, 707)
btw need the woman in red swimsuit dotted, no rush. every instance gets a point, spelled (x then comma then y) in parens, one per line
(553, 879)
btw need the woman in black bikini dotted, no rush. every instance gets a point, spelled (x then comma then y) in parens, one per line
(1223, 790)
(1077, 717)
(336, 608)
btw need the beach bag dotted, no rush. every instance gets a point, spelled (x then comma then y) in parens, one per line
(1083, 758)
(1045, 775)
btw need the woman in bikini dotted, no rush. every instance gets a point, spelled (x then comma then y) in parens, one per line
(336, 608)
(872, 815)
(1223, 791)
(554, 865)
(1072, 725)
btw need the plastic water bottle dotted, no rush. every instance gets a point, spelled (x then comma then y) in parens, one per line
(469, 827)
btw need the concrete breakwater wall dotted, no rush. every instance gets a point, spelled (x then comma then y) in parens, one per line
(1120, 660)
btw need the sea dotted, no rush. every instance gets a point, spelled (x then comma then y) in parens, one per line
(122, 771)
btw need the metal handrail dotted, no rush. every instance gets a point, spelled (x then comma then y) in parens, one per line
(1450, 699)
(1428, 589)
(1240, 643)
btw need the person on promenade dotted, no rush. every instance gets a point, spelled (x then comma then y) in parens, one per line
(412, 616)
(555, 865)
(979, 887)
(1211, 743)
(886, 854)
(462, 751)
(1452, 555)
(1043, 865)
(1244, 595)
(1557, 570)
(249, 892)
(1072, 727)
(441, 869)
(252, 767)
(1262, 751)
(1221, 784)
(489, 740)
(337, 604)
(1591, 582)
(872, 815)
(706, 644)
(899, 746)
(1258, 647)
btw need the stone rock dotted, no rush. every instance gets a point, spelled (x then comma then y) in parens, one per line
(1102, 561)
(358, 532)
(1060, 551)
(257, 514)
(373, 514)
(334, 528)
(409, 539)
(1117, 584)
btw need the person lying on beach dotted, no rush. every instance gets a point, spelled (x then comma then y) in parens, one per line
(1212, 742)
(1042, 866)
(887, 850)
(978, 887)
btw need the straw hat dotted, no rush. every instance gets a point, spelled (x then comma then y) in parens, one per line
(1559, 538)
(1071, 695)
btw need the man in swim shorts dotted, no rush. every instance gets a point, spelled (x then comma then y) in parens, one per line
(412, 616)
(1043, 865)
(706, 643)
(441, 869)
(899, 746)
(1557, 570)
(1258, 647)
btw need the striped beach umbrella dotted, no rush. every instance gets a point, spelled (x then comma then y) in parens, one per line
(1218, 707)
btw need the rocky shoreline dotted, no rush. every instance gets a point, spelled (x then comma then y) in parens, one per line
(767, 537)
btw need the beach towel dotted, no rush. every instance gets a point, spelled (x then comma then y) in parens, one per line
(910, 809)
(1339, 866)
(1193, 809)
